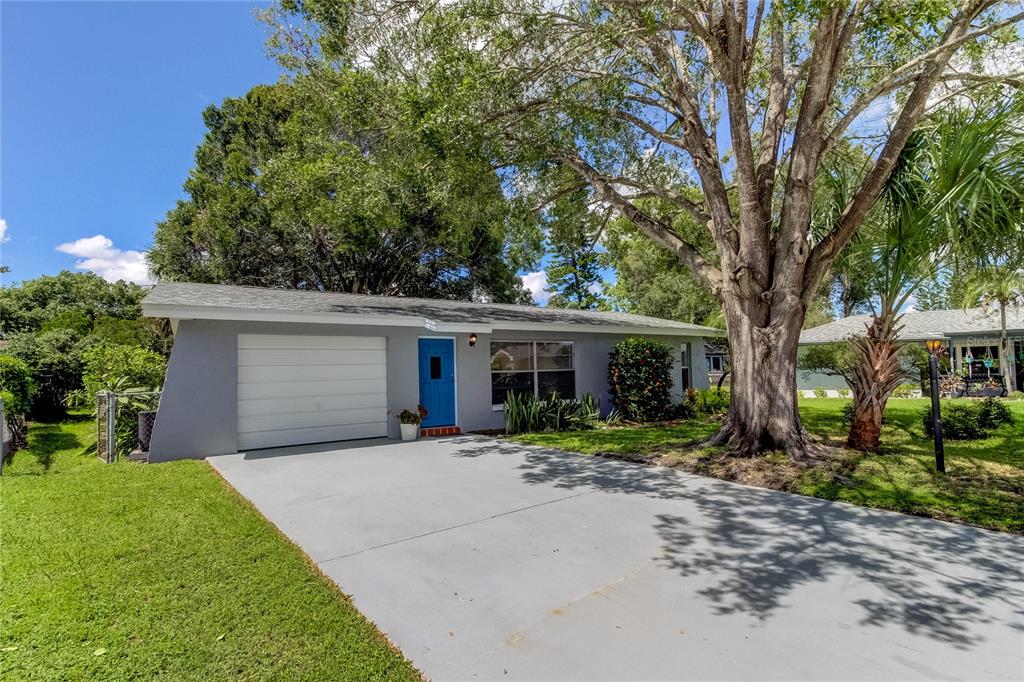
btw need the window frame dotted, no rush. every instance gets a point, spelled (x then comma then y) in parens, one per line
(535, 369)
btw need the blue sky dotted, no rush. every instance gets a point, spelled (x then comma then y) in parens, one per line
(101, 113)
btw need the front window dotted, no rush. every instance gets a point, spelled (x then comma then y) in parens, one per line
(537, 367)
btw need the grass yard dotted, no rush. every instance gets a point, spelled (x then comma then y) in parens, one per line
(140, 571)
(984, 483)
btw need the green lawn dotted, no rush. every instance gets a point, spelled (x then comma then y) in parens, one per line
(139, 571)
(984, 483)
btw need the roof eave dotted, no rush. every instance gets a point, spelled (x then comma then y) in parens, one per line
(234, 314)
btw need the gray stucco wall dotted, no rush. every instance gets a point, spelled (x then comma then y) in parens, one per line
(197, 415)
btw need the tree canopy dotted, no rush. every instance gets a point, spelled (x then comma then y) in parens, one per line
(644, 100)
(68, 299)
(49, 322)
(336, 183)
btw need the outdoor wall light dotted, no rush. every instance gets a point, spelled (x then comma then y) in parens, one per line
(472, 340)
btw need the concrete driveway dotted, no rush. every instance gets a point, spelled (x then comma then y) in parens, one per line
(484, 559)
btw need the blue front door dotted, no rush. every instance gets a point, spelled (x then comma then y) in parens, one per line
(437, 381)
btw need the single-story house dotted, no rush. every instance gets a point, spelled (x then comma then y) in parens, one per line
(971, 337)
(258, 368)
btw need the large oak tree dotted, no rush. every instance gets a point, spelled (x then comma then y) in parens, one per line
(640, 99)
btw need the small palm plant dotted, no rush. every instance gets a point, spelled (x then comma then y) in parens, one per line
(956, 192)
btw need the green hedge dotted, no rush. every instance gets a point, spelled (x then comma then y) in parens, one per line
(971, 421)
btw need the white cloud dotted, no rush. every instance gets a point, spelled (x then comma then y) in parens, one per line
(99, 255)
(536, 282)
(4, 237)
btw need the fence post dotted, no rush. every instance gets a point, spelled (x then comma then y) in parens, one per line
(106, 425)
(111, 427)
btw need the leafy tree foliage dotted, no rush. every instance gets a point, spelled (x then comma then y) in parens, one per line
(337, 184)
(70, 299)
(113, 366)
(574, 271)
(651, 281)
(16, 385)
(636, 99)
(49, 322)
(16, 391)
(55, 359)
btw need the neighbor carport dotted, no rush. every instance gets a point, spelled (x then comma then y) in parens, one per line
(485, 559)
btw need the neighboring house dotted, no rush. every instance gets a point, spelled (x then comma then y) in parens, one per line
(716, 356)
(971, 338)
(255, 368)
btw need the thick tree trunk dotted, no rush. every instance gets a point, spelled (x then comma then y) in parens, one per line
(876, 376)
(763, 414)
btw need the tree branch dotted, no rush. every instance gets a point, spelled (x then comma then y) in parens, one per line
(871, 186)
(900, 76)
(650, 226)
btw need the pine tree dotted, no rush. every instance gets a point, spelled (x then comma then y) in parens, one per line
(574, 271)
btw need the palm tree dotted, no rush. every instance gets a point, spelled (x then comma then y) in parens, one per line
(957, 190)
(998, 286)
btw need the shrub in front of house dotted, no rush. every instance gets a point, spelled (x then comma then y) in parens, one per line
(992, 414)
(526, 413)
(640, 379)
(967, 421)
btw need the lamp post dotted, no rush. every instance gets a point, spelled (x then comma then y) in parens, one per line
(934, 345)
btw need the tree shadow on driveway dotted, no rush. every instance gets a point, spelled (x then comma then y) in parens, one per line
(759, 548)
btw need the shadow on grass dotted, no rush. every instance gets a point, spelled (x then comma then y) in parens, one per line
(47, 440)
(756, 550)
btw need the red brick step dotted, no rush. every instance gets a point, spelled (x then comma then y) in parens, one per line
(426, 432)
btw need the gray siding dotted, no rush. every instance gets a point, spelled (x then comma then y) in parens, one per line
(197, 414)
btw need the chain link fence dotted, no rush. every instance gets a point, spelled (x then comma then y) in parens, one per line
(124, 423)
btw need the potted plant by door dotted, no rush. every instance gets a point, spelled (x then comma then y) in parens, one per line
(409, 422)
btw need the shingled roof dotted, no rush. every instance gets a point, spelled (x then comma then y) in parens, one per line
(216, 301)
(922, 325)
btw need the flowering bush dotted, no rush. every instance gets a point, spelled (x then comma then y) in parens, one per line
(640, 376)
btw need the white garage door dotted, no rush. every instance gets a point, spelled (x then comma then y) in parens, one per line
(310, 389)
